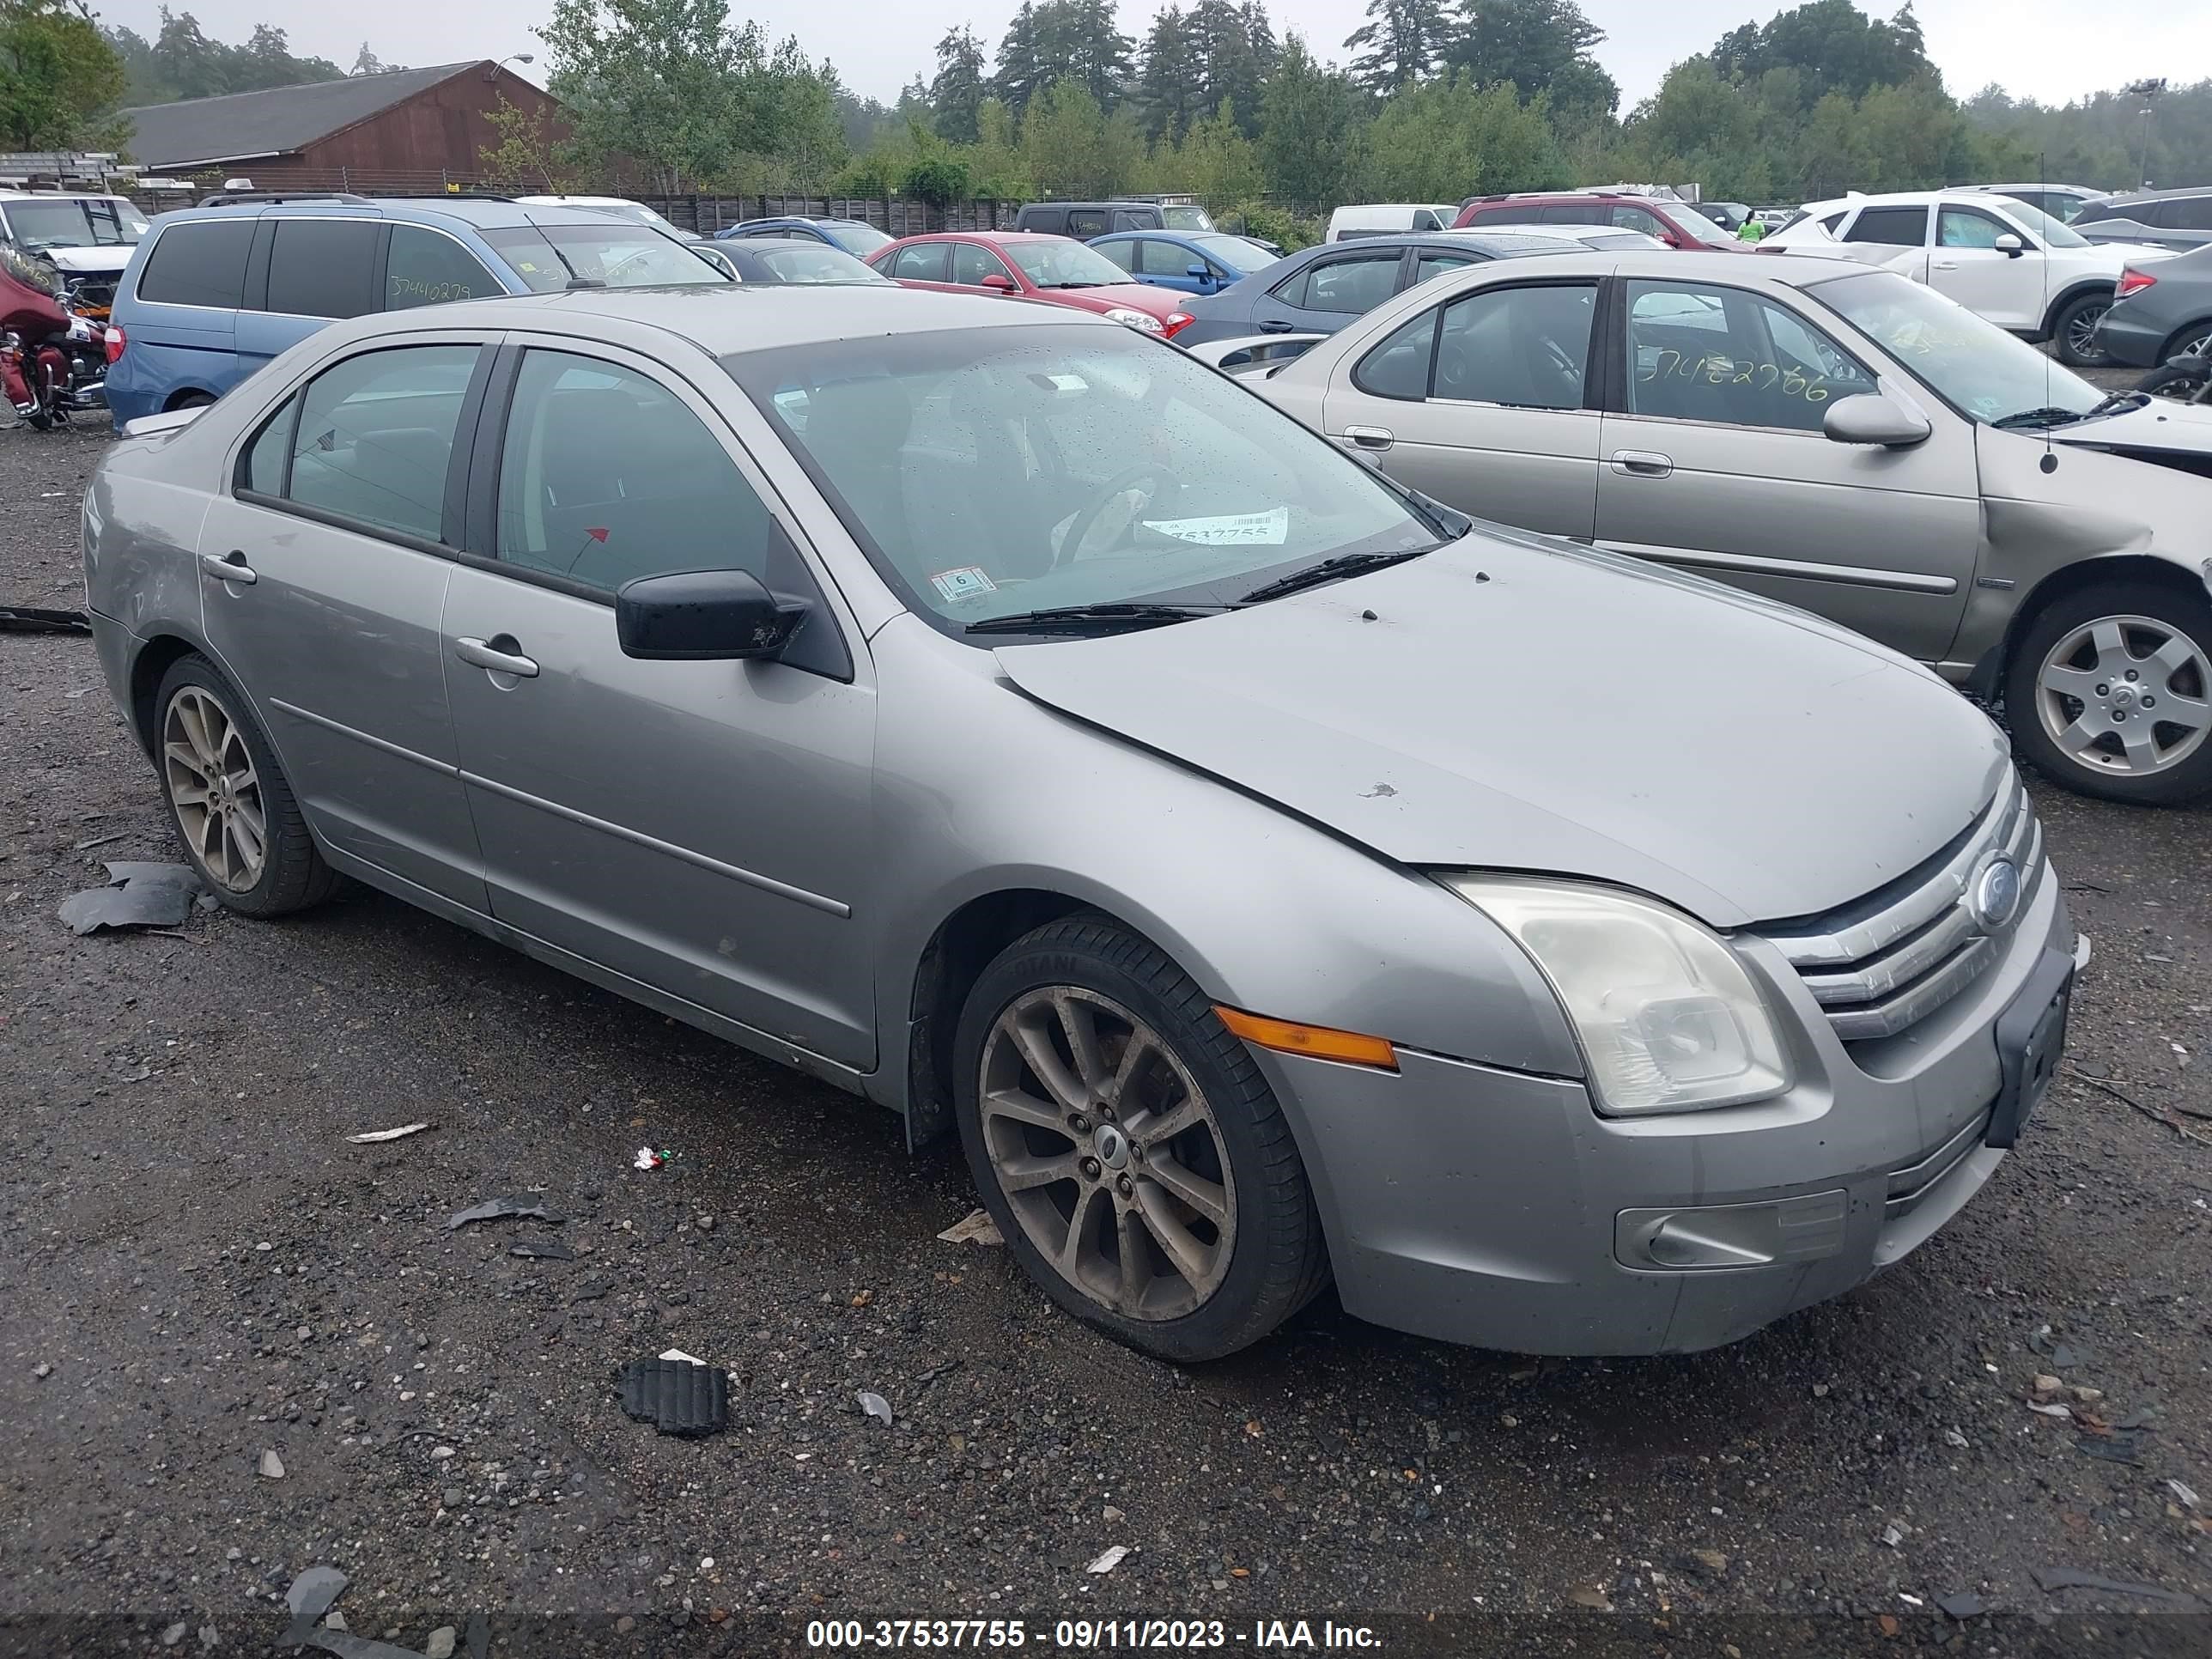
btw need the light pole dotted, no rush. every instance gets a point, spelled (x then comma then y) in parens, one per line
(2149, 92)
(492, 74)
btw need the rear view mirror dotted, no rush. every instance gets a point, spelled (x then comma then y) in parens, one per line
(703, 616)
(2009, 244)
(1870, 418)
(999, 284)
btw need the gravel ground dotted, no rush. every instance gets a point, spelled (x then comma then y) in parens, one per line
(198, 1269)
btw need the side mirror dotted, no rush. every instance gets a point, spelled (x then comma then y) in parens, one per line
(703, 616)
(2009, 244)
(1199, 272)
(999, 284)
(1870, 418)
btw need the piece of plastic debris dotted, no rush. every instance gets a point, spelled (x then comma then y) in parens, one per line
(679, 1396)
(497, 1209)
(678, 1353)
(2113, 1448)
(2049, 1411)
(100, 840)
(372, 1137)
(1109, 1559)
(1592, 1597)
(2183, 1495)
(138, 894)
(309, 1598)
(1893, 1535)
(2059, 1579)
(272, 1465)
(647, 1159)
(542, 1249)
(876, 1407)
(978, 1228)
(30, 619)
(1962, 1606)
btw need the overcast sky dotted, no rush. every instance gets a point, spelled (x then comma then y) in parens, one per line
(2051, 50)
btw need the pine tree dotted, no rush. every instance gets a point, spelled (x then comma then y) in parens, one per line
(1018, 80)
(1402, 40)
(958, 91)
(1167, 88)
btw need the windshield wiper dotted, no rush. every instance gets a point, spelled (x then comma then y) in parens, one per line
(1088, 619)
(1071, 284)
(2111, 403)
(1330, 570)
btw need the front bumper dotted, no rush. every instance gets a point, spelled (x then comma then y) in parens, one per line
(1497, 1209)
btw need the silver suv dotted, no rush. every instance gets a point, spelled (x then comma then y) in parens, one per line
(1007, 717)
(1825, 434)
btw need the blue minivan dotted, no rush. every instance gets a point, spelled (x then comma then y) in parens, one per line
(212, 293)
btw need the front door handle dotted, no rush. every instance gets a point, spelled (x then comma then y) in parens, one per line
(1642, 463)
(1276, 325)
(486, 654)
(229, 567)
(1947, 264)
(1370, 437)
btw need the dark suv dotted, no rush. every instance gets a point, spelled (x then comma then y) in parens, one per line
(1676, 223)
(2179, 219)
(1084, 220)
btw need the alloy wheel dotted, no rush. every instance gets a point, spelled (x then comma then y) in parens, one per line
(2081, 334)
(213, 788)
(1107, 1152)
(2128, 694)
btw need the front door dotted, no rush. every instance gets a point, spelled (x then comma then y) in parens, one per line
(1326, 294)
(322, 579)
(700, 828)
(1715, 460)
(1968, 266)
(1480, 403)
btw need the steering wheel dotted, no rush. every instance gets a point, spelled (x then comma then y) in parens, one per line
(1085, 521)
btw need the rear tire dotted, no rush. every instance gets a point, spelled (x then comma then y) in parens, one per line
(2109, 692)
(232, 808)
(2073, 331)
(1186, 1242)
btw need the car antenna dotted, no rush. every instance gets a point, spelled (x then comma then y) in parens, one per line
(575, 281)
(2049, 461)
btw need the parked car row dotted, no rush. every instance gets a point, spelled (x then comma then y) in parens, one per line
(1006, 717)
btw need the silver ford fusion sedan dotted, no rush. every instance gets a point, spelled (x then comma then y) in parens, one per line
(1270, 874)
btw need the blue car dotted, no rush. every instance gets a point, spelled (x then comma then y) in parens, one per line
(211, 294)
(1196, 262)
(855, 237)
(1320, 289)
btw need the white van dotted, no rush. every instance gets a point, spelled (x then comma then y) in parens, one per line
(1389, 218)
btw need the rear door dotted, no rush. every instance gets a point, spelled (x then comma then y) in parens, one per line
(1905, 229)
(1479, 401)
(1715, 460)
(306, 273)
(182, 319)
(925, 264)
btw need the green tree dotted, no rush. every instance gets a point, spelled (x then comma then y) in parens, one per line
(1167, 88)
(1450, 137)
(1833, 45)
(1401, 40)
(1018, 78)
(1306, 129)
(1540, 46)
(525, 158)
(958, 91)
(648, 79)
(1071, 147)
(57, 72)
(1218, 163)
(1232, 48)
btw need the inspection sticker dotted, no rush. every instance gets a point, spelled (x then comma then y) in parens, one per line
(970, 581)
(1269, 529)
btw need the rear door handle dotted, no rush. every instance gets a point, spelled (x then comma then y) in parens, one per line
(229, 567)
(1642, 463)
(1370, 437)
(1277, 327)
(484, 653)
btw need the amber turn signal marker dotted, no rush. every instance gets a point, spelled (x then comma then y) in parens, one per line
(1319, 1042)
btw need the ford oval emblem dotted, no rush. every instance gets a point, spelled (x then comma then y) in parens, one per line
(1994, 896)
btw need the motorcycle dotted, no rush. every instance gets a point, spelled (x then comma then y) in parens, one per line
(53, 359)
(2181, 379)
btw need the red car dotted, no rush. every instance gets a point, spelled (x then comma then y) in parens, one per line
(1676, 223)
(1057, 269)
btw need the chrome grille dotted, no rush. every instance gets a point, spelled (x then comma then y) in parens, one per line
(1881, 965)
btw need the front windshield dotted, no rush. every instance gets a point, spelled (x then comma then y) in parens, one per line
(1236, 252)
(811, 262)
(2053, 234)
(1973, 365)
(620, 253)
(1024, 468)
(858, 240)
(1186, 218)
(75, 222)
(1056, 262)
(1687, 218)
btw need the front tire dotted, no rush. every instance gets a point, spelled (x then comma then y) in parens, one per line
(233, 809)
(2110, 694)
(1128, 1147)
(2074, 331)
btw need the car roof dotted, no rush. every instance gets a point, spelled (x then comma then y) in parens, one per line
(2155, 195)
(2063, 190)
(477, 212)
(61, 196)
(1973, 195)
(1000, 237)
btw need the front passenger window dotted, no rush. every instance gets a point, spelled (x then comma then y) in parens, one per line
(606, 475)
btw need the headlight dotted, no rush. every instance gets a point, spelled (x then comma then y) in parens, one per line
(1667, 1018)
(1141, 320)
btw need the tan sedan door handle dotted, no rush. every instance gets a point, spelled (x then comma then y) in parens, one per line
(229, 567)
(1642, 463)
(482, 654)
(1369, 437)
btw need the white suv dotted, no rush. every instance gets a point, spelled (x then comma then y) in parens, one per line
(2005, 260)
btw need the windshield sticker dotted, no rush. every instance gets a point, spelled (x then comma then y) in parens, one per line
(1268, 529)
(970, 581)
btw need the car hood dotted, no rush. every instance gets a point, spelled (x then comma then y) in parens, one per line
(1136, 296)
(1516, 703)
(88, 261)
(2160, 426)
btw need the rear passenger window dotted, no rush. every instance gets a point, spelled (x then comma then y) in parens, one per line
(1399, 368)
(1086, 223)
(323, 268)
(375, 438)
(1893, 227)
(426, 269)
(199, 264)
(606, 475)
(1527, 347)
